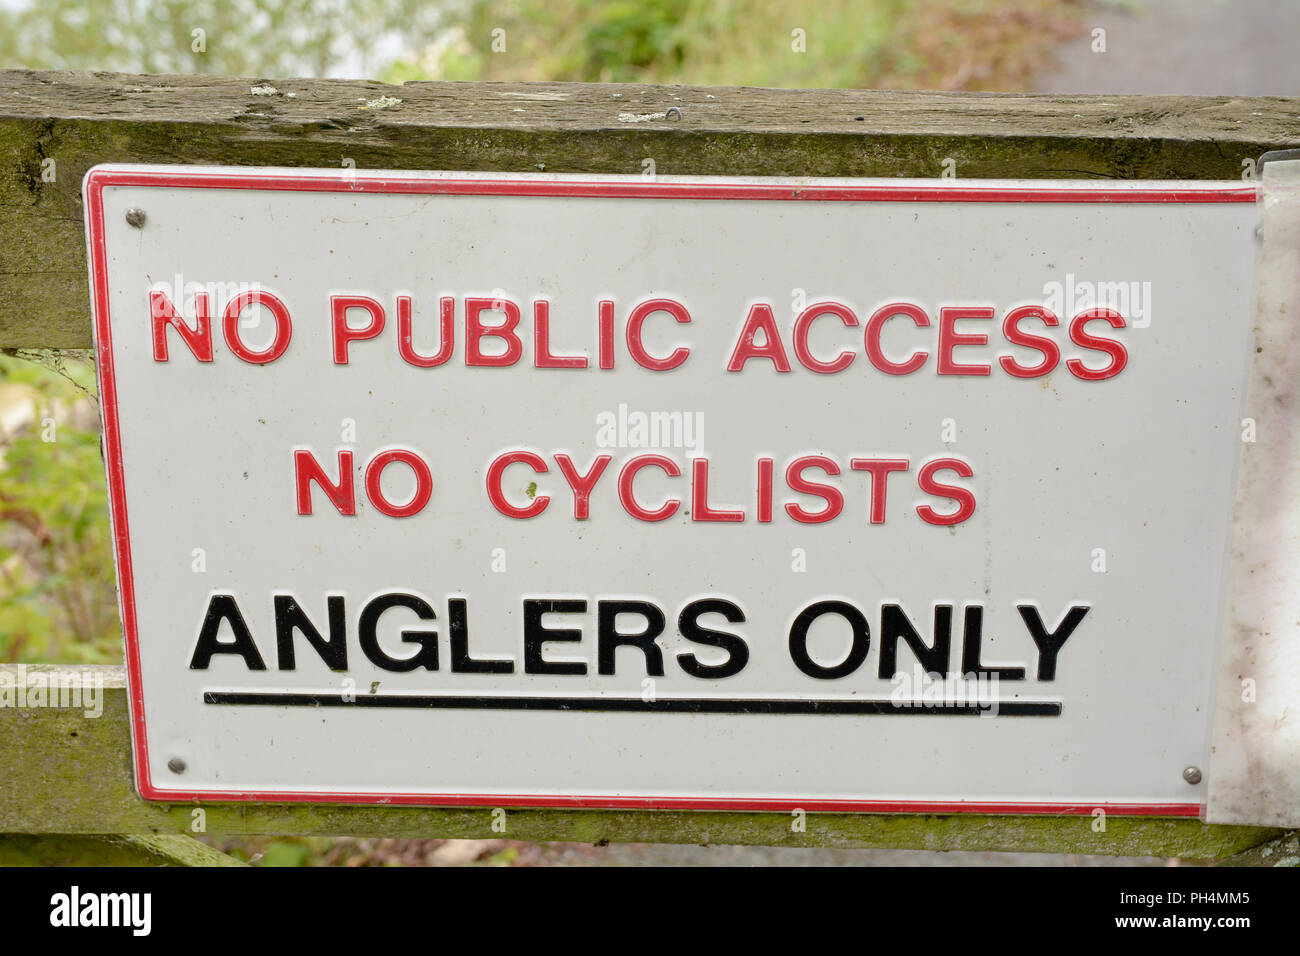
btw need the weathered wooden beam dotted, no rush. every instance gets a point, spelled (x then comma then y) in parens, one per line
(64, 772)
(64, 849)
(80, 119)
(1283, 851)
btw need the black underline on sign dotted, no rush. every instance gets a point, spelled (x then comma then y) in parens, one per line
(681, 705)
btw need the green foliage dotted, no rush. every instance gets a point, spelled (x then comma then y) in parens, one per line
(506, 857)
(944, 44)
(258, 38)
(284, 853)
(57, 588)
(629, 37)
(729, 42)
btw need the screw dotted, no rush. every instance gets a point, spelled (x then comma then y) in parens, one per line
(1192, 775)
(177, 765)
(135, 217)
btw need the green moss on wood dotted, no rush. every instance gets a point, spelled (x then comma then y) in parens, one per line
(60, 849)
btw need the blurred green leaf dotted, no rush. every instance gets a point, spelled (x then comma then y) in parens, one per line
(285, 854)
(58, 599)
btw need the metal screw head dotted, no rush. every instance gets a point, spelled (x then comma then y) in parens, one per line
(1192, 775)
(176, 765)
(135, 217)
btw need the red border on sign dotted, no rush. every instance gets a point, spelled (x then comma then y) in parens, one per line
(350, 182)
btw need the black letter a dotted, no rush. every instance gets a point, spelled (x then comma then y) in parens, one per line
(222, 607)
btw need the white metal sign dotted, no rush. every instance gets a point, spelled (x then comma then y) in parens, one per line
(541, 490)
